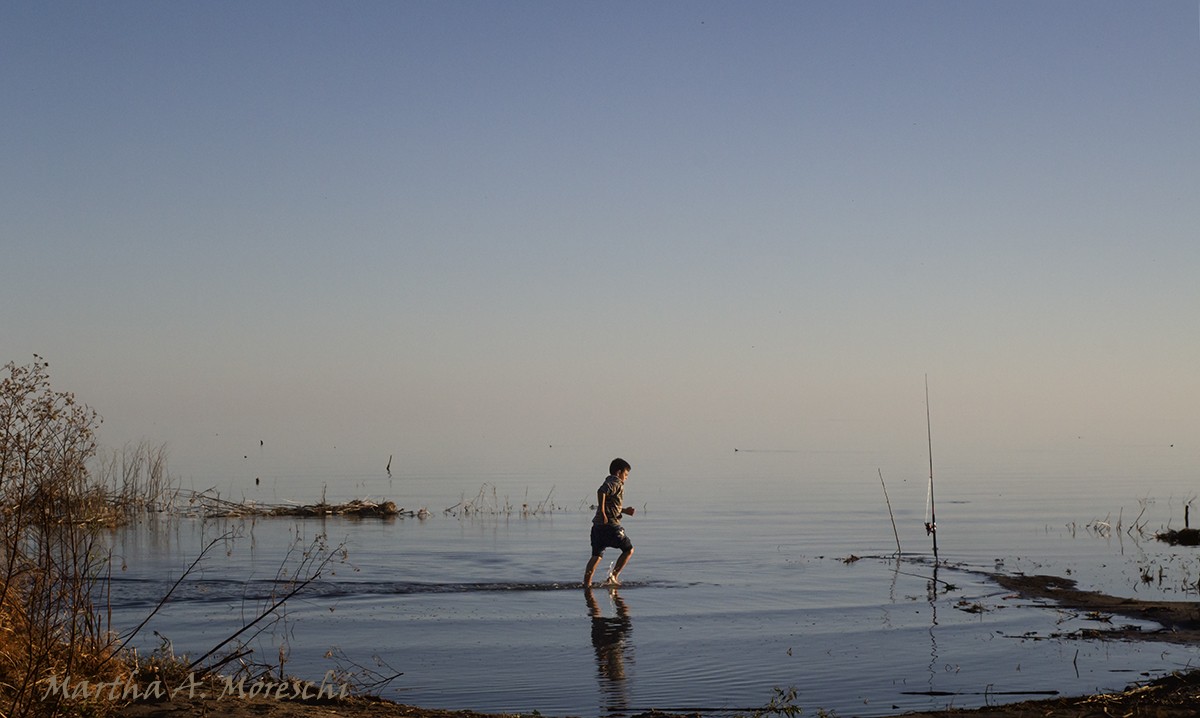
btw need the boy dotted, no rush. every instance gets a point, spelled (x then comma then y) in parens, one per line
(606, 525)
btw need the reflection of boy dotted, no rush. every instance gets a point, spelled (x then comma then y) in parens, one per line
(609, 634)
(607, 531)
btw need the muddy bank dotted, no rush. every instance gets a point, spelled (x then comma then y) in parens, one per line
(1179, 620)
(1173, 696)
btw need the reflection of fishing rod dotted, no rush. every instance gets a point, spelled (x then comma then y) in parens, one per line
(931, 589)
(931, 580)
(931, 517)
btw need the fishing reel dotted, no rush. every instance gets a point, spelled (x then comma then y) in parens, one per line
(930, 528)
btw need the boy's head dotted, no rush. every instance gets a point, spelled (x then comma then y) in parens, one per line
(617, 466)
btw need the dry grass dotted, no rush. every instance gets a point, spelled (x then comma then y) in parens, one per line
(488, 502)
(134, 479)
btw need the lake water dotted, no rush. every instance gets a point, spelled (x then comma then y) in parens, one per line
(743, 582)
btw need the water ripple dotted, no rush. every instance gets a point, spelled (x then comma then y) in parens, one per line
(133, 592)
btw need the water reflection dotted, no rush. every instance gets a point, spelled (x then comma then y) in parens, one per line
(610, 639)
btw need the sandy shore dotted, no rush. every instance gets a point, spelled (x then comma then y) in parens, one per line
(1173, 696)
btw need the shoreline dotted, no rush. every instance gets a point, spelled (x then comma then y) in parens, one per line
(1173, 696)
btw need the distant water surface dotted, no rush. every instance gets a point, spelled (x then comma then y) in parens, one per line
(758, 572)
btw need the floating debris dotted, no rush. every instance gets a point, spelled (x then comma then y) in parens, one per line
(970, 606)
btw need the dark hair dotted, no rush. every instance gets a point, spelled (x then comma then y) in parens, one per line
(618, 465)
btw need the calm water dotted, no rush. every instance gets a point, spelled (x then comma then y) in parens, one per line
(740, 584)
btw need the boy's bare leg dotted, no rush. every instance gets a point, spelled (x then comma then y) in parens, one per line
(614, 578)
(591, 569)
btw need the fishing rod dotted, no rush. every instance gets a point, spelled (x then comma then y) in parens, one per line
(931, 522)
(890, 514)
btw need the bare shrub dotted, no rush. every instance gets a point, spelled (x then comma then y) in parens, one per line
(52, 562)
(54, 567)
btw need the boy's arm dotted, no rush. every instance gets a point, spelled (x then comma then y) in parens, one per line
(600, 497)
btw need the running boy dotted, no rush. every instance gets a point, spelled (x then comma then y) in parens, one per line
(606, 525)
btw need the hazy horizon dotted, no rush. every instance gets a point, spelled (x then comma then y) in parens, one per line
(470, 231)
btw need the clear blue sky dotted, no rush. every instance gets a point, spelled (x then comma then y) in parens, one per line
(468, 229)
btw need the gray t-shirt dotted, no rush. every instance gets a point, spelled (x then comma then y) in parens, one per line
(613, 489)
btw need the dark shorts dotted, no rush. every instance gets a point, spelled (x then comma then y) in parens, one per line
(609, 536)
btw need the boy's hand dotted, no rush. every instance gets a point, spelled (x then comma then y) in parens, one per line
(627, 510)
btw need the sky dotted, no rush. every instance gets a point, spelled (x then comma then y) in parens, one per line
(470, 231)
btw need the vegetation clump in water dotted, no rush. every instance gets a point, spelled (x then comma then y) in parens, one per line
(215, 507)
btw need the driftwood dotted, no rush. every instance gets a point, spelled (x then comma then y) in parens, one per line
(211, 506)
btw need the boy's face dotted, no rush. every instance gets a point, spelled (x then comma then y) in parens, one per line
(623, 474)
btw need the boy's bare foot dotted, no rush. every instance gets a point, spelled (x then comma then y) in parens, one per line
(612, 580)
